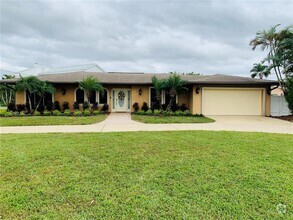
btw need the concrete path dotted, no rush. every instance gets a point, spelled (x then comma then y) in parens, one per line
(116, 122)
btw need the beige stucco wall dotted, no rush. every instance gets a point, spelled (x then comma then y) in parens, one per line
(267, 104)
(196, 100)
(140, 99)
(20, 97)
(68, 97)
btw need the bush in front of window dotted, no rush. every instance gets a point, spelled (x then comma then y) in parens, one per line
(77, 113)
(105, 108)
(86, 112)
(57, 113)
(95, 106)
(56, 106)
(96, 112)
(20, 107)
(86, 105)
(76, 106)
(149, 112)
(11, 106)
(47, 113)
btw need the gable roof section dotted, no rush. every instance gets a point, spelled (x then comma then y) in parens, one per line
(75, 68)
(146, 78)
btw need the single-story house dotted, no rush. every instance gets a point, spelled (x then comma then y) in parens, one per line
(208, 94)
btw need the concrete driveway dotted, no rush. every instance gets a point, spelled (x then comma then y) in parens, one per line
(117, 122)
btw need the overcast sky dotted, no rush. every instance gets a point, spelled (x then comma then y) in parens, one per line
(147, 36)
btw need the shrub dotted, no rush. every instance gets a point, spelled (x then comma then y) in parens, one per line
(77, 113)
(86, 105)
(47, 113)
(187, 113)
(95, 106)
(105, 108)
(16, 114)
(67, 112)
(65, 106)
(144, 107)
(96, 112)
(164, 107)
(135, 107)
(149, 112)
(11, 107)
(174, 107)
(8, 114)
(166, 113)
(157, 112)
(27, 107)
(2, 112)
(49, 106)
(22, 114)
(178, 113)
(140, 112)
(56, 106)
(20, 107)
(41, 108)
(37, 113)
(183, 107)
(57, 113)
(76, 106)
(86, 112)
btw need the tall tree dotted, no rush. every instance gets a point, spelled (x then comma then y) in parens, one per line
(89, 85)
(158, 85)
(280, 49)
(175, 86)
(33, 86)
(7, 91)
(259, 70)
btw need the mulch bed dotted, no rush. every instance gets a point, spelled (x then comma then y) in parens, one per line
(286, 118)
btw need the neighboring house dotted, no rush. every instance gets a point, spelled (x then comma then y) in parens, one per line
(208, 95)
(279, 105)
(39, 70)
(7, 72)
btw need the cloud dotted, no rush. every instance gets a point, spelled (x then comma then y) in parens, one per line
(146, 36)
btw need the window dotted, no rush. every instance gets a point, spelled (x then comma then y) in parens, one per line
(154, 102)
(79, 96)
(103, 97)
(93, 97)
(167, 98)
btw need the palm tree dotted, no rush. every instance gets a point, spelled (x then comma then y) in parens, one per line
(158, 85)
(89, 85)
(259, 70)
(7, 91)
(44, 88)
(176, 86)
(29, 85)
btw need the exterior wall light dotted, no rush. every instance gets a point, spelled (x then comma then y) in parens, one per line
(63, 91)
(140, 91)
(197, 90)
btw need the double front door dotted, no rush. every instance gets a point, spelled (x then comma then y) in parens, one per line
(121, 100)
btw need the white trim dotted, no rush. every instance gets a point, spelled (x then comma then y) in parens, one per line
(130, 99)
(84, 96)
(164, 98)
(151, 87)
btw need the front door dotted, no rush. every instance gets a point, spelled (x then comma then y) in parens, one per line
(121, 100)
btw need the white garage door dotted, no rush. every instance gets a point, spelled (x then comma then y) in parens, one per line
(232, 101)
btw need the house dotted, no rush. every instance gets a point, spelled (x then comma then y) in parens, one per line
(208, 94)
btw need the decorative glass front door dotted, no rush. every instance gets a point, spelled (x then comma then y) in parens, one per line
(121, 100)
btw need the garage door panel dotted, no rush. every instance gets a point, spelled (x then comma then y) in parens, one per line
(232, 101)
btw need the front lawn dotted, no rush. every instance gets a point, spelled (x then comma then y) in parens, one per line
(170, 119)
(146, 175)
(50, 120)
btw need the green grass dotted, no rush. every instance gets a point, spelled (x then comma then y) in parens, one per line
(50, 120)
(171, 119)
(140, 175)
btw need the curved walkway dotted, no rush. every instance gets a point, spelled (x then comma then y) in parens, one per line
(118, 122)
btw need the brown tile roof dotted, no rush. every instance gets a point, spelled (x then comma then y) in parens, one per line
(146, 78)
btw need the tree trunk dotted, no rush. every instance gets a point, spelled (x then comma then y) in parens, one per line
(30, 103)
(41, 99)
(170, 103)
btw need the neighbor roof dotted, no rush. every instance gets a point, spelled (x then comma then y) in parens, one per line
(75, 68)
(146, 78)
